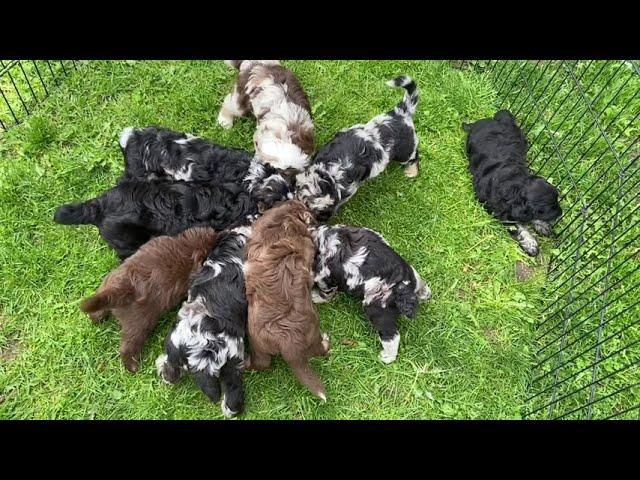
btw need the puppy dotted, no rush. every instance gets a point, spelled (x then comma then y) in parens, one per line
(159, 153)
(497, 151)
(359, 261)
(360, 153)
(284, 137)
(208, 339)
(278, 276)
(134, 211)
(147, 285)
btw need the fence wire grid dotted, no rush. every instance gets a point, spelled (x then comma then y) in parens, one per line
(25, 83)
(581, 120)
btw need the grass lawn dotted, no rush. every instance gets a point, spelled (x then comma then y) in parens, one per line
(467, 354)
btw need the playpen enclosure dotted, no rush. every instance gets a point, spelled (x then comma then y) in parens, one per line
(581, 120)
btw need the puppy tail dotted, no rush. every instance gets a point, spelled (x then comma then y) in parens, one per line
(308, 377)
(78, 213)
(108, 299)
(408, 104)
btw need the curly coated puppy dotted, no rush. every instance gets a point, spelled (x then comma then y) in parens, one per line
(159, 153)
(359, 261)
(497, 151)
(146, 285)
(360, 153)
(278, 276)
(208, 339)
(134, 211)
(284, 136)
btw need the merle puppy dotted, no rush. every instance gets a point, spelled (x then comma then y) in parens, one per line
(360, 153)
(359, 261)
(134, 211)
(159, 153)
(208, 340)
(497, 151)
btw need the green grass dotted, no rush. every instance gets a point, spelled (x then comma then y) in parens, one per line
(466, 355)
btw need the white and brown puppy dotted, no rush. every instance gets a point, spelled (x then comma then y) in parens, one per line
(284, 135)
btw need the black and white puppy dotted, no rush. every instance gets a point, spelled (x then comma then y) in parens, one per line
(359, 261)
(359, 153)
(134, 211)
(208, 339)
(159, 153)
(497, 151)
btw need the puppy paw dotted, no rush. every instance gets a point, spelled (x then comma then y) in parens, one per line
(411, 171)
(387, 357)
(316, 297)
(225, 121)
(542, 228)
(326, 344)
(98, 317)
(226, 411)
(527, 241)
(130, 364)
(390, 349)
(530, 246)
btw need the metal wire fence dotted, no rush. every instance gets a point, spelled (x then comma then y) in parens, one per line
(582, 122)
(24, 83)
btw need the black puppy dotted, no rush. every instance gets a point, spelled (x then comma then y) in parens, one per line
(156, 153)
(208, 339)
(497, 151)
(359, 153)
(134, 211)
(359, 261)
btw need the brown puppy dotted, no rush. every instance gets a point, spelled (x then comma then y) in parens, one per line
(278, 280)
(147, 284)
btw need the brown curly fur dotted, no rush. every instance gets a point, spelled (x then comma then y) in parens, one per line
(278, 278)
(147, 284)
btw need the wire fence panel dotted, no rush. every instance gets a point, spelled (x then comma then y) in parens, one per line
(582, 122)
(24, 83)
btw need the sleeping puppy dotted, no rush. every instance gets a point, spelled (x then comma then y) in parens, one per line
(134, 211)
(147, 285)
(208, 339)
(497, 151)
(360, 153)
(278, 276)
(359, 261)
(284, 136)
(159, 153)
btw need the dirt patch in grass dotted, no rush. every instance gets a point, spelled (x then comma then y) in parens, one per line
(523, 271)
(11, 350)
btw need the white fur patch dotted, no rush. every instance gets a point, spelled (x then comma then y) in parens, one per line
(184, 173)
(352, 268)
(390, 348)
(125, 135)
(378, 290)
(226, 411)
(281, 154)
(215, 266)
(160, 361)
